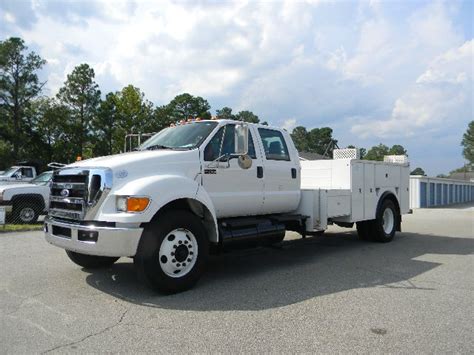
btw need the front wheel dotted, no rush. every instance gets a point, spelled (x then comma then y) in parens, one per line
(90, 261)
(25, 214)
(172, 252)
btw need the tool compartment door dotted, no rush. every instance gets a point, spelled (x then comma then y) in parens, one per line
(338, 203)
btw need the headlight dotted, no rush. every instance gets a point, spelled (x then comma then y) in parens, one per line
(132, 203)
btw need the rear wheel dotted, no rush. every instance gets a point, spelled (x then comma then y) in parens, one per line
(172, 252)
(90, 261)
(385, 225)
(381, 229)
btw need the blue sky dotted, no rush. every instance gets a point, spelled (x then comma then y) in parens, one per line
(396, 72)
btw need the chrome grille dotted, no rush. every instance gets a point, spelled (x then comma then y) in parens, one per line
(76, 193)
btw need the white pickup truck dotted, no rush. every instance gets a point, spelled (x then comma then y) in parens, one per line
(17, 174)
(24, 202)
(208, 185)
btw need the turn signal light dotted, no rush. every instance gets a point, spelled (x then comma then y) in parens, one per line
(132, 204)
(137, 204)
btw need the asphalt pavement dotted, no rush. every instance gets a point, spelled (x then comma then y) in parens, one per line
(327, 294)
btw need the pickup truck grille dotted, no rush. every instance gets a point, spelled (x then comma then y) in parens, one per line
(76, 193)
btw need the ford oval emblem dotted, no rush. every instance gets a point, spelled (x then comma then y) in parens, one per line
(64, 192)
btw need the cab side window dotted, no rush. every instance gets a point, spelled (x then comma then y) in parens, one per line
(211, 152)
(274, 144)
(27, 172)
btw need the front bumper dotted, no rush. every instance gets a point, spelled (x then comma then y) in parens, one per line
(110, 241)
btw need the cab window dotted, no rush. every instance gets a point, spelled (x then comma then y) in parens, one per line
(274, 144)
(228, 146)
(27, 172)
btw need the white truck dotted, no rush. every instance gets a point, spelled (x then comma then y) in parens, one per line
(25, 202)
(17, 174)
(205, 186)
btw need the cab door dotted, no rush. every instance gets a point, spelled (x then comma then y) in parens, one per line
(281, 171)
(233, 190)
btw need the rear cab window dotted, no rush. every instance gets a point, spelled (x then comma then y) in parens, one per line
(274, 144)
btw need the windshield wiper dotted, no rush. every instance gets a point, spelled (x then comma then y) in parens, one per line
(157, 146)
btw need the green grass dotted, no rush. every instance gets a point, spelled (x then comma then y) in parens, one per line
(20, 227)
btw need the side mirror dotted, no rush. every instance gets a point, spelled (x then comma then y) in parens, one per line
(241, 139)
(17, 176)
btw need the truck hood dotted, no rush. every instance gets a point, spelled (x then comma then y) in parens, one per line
(128, 167)
(141, 158)
(22, 186)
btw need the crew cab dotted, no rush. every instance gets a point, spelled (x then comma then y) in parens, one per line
(25, 202)
(207, 186)
(17, 174)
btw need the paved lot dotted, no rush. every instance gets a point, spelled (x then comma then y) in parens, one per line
(326, 294)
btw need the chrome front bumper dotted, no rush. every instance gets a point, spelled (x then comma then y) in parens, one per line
(110, 241)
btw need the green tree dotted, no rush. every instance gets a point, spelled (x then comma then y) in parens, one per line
(377, 152)
(49, 139)
(5, 154)
(186, 106)
(247, 116)
(397, 150)
(300, 138)
(126, 111)
(320, 141)
(105, 125)
(225, 113)
(19, 84)
(468, 143)
(81, 95)
(135, 114)
(418, 171)
(162, 118)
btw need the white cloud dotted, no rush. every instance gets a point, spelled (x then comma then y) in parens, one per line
(441, 96)
(289, 124)
(8, 17)
(383, 69)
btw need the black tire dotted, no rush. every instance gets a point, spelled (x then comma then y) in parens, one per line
(24, 213)
(149, 263)
(90, 261)
(378, 233)
(364, 230)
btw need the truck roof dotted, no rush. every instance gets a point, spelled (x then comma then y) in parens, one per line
(236, 122)
(21, 166)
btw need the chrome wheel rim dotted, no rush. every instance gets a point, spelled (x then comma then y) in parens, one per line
(27, 214)
(388, 221)
(178, 253)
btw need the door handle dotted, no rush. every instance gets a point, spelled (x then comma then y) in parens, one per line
(293, 173)
(259, 172)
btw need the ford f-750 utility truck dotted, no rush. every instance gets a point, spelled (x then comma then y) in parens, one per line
(201, 187)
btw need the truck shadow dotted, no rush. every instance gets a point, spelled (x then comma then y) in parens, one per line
(265, 278)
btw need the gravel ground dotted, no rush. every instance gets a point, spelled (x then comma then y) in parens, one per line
(327, 294)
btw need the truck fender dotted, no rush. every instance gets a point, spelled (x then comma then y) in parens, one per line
(163, 190)
(392, 196)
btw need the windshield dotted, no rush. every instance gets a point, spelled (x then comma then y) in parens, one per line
(10, 171)
(188, 136)
(42, 178)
